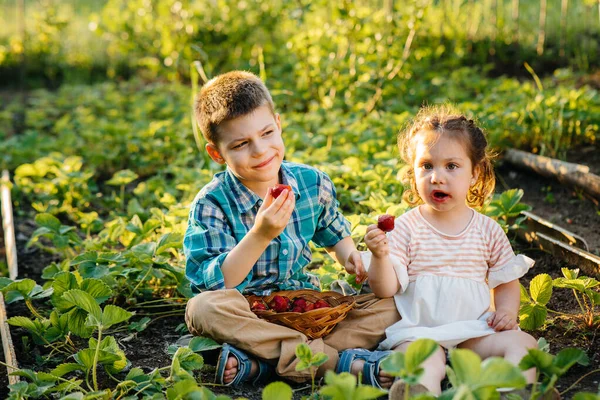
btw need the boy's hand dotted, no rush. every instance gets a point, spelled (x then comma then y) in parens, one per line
(274, 214)
(354, 265)
(503, 320)
(377, 241)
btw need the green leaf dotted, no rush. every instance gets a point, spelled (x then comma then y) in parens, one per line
(532, 316)
(99, 290)
(63, 369)
(498, 372)
(568, 357)
(18, 290)
(541, 288)
(113, 315)
(110, 345)
(394, 364)
(466, 365)
(122, 177)
(536, 358)
(570, 273)
(304, 353)
(417, 352)
(86, 302)
(277, 391)
(23, 322)
(319, 359)
(302, 365)
(144, 252)
(85, 357)
(169, 241)
(199, 344)
(76, 323)
(339, 387)
(586, 396)
(63, 282)
(48, 221)
(365, 392)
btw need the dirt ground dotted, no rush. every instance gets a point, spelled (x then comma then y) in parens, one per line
(549, 199)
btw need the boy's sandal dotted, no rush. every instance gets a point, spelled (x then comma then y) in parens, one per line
(244, 367)
(372, 361)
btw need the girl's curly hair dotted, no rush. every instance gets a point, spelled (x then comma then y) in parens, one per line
(446, 120)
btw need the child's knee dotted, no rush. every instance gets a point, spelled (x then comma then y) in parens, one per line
(528, 341)
(436, 365)
(199, 309)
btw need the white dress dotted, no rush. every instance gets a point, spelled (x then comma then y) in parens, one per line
(446, 279)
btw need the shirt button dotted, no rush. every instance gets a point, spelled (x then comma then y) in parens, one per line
(284, 252)
(260, 203)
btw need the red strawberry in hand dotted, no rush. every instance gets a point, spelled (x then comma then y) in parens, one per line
(386, 222)
(277, 189)
(280, 304)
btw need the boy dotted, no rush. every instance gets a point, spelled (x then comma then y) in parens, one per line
(241, 239)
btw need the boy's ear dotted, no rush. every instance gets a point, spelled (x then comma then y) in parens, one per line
(214, 153)
(278, 121)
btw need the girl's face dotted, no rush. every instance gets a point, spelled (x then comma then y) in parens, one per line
(443, 172)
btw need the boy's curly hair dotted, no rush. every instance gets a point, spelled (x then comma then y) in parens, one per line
(229, 96)
(447, 120)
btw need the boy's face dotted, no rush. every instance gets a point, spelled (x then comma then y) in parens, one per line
(252, 147)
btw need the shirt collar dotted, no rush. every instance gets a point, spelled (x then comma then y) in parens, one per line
(245, 198)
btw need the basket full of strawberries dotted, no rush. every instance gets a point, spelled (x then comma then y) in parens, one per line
(311, 312)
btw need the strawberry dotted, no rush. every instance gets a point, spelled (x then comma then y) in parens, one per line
(386, 222)
(309, 306)
(298, 309)
(280, 304)
(258, 305)
(322, 304)
(299, 302)
(277, 189)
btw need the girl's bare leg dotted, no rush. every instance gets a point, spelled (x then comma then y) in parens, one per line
(435, 369)
(512, 345)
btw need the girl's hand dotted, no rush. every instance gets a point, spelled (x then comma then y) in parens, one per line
(354, 265)
(377, 241)
(503, 320)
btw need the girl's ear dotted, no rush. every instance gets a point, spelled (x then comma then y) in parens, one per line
(214, 153)
(475, 175)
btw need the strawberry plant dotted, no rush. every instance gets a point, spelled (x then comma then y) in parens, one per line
(585, 290)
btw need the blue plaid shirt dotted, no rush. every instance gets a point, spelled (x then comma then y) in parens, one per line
(224, 211)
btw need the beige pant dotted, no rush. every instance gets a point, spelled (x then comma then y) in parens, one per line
(225, 316)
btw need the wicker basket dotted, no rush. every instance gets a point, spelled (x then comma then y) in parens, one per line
(315, 323)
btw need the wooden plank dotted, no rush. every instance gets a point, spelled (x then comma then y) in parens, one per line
(8, 226)
(535, 223)
(588, 263)
(7, 345)
(11, 259)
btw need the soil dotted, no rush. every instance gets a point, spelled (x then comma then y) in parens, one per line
(562, 205)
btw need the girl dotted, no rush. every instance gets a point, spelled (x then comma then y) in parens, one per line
(443, 257)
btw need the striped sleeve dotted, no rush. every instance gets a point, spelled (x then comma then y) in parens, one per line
(504, 265)
(501, 252)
